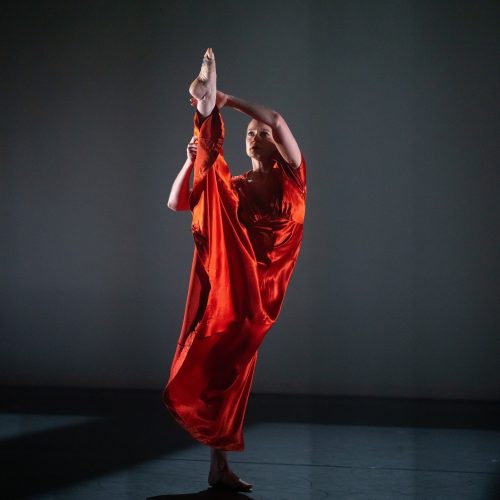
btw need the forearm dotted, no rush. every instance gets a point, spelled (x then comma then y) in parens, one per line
(257, 111)
(179, 194)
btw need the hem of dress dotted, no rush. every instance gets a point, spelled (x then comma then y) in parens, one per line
(237, 446)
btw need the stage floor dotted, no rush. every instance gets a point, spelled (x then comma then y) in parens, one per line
(72, 444)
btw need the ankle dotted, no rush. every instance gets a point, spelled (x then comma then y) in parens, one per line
(219, 457)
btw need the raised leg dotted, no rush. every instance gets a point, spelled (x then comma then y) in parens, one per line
(204, 86)
(221, 476)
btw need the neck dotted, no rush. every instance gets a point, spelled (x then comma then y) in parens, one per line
(262, 167)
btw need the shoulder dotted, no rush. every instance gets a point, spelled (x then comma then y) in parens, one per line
(292, 166)
(294, 169)
(296, 174)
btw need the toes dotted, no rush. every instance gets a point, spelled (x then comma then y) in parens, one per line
(243, 486)
(209, 55)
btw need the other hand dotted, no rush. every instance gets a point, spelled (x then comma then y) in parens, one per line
(192, 148)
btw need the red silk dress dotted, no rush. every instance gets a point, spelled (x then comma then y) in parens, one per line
(245, 251)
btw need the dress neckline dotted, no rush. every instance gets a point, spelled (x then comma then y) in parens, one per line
(248, 172)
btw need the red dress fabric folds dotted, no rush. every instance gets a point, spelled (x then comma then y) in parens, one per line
(246, 247)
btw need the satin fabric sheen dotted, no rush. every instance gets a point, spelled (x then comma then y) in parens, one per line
(246, 247)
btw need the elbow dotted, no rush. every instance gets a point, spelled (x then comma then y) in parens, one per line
(172, 205)
(277, 120)
(177, 206)
(179, 203)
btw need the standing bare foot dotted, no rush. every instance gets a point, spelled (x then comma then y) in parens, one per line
(204, 86)
(221, 476)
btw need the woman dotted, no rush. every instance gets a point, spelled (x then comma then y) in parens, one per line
(247, 231)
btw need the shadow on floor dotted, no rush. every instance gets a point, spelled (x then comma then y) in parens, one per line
(41, 461)
(209, 493)
(132, 427)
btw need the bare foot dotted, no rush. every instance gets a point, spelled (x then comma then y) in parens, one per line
(204, 84)
(221, 476)
(226, 479)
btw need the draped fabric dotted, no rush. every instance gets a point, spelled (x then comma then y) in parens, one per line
(246, 247)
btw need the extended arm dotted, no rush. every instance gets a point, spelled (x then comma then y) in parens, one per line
(179, 194)
(283, 137)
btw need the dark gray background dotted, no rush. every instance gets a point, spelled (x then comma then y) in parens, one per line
(395, 106)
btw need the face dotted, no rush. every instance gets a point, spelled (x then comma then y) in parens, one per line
(259, 141)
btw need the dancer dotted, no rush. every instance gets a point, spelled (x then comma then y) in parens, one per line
(247, 231)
